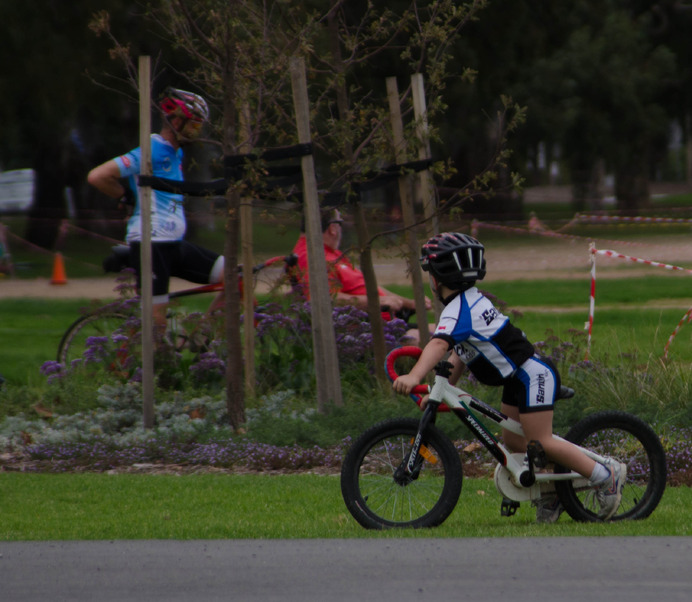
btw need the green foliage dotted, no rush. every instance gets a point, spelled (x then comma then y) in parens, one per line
(657, 391)
(284, 349)
(283, 418)
(618, 333)
(611, 64)
(64, 50)
(113, 417)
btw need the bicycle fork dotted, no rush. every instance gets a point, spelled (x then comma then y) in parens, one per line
(409, 469)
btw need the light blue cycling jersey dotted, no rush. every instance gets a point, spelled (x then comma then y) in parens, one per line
(167, 215)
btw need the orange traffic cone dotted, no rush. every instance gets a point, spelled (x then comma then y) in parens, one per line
(58, 270)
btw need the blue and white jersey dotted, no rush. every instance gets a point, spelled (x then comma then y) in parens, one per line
(167, 215)
(483, 337)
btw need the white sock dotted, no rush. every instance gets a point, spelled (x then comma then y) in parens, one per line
(600, 473)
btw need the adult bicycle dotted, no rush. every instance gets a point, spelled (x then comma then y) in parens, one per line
(405, 472)
(105, 320)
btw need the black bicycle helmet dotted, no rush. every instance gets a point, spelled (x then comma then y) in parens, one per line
(454, 259)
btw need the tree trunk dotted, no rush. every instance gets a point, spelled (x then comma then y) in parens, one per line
(48, 210)
(235, 389)
(365, 259)
(587, 188)
(632, 185)
(374, 310)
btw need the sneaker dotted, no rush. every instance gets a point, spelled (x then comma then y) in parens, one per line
(548, 508)
(609, 491)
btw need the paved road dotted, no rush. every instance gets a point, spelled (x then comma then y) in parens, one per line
(632, 569)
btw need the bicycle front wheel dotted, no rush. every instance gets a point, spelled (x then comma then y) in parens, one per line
(97, 324)
(377, 492)
(630, 440)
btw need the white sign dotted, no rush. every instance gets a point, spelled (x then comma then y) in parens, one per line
(17, 190)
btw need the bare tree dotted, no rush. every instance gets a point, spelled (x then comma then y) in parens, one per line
(240, 50)
(414, 37)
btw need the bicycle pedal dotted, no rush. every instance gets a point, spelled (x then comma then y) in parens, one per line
(536, 454)
(508, 507)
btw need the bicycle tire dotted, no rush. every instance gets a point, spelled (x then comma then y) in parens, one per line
(630, 440)
(374, 496)
(99, 323)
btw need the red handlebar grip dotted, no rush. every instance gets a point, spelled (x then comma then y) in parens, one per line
(414, 352)
(395, 354)
(409, 351)
(420, 390)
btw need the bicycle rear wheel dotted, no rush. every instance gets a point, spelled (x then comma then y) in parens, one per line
(378, 495)
(97, 324)
(630, 440)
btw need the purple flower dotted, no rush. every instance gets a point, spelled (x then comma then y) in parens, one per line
(53, 370)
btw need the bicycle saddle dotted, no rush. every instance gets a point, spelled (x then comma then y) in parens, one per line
(118, 259)
(565, 393)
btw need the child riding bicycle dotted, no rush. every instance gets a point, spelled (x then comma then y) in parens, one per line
(499, 354)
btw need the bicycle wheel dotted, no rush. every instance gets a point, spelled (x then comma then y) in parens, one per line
(97, 324)
(379, 497)
(630, 440)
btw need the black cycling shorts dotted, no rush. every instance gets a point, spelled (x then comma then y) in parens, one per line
(534, 386)
(181, 259)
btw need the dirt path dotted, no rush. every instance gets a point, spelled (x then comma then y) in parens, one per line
(532, 258)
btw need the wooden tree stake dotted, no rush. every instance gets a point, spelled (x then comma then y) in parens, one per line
(324, 341)
(248, 262)
(407, 211)
(146, 290)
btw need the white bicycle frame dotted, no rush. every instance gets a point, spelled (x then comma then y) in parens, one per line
(514, 477)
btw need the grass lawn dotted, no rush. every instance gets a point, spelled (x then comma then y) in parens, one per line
(631, 314)
(262, 506)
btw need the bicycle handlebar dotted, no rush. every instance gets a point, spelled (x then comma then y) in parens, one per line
(419, 390)
(289, 260)
(408, 351)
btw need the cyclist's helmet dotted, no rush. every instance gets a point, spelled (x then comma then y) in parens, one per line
(454, 259)
(180, 103)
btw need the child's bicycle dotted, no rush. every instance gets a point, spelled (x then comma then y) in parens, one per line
(406, 472)
(107, 319)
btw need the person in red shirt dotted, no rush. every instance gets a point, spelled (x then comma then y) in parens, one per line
(347, 283)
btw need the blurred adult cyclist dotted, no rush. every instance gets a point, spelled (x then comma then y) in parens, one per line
(346, 283)
(183, 115)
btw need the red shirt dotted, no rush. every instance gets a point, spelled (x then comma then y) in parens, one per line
(343, 277)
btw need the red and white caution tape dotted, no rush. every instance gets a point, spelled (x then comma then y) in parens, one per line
(592, 299)
(615, 254)
(686, 318)
(535, 228)
(593, 251)
(623, 219)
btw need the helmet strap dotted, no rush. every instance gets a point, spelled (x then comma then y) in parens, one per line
(180, 136)
(449, 298)
(440, 289)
